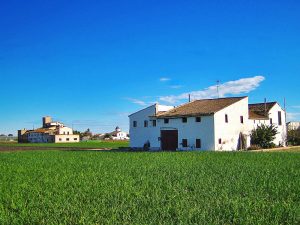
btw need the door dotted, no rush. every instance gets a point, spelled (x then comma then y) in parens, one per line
(169, 140)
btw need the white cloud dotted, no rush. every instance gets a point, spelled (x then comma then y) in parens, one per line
(241, 86)
(292, 116)
(176, 86)
(164, 79)
(137, 101)
(296, 106)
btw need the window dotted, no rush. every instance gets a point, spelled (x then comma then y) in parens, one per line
(279, 118)
(67, 139)
(166, 120)
(198, 119)
(60, 139)
(226, 118)
(75, 139)
(254, 121)
(146, 123)
(154, 123)
(220, 141)
(68, 132)
(198, 143)
(184, 119)
(242, 119)
(271, 121)
(134, 124)
(184, 143)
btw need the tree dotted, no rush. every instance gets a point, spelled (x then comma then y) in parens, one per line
(293, 137)
(88, 133)
(10, 135)
(264, 136)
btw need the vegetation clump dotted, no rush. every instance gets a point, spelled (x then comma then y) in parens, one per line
(264, 135)
(294, 137)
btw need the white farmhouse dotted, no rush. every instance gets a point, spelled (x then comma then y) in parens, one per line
(51, 132)
(208, 124)
(118, 134)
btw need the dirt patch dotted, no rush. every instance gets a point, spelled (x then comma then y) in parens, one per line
(36, 148)
(282, 149)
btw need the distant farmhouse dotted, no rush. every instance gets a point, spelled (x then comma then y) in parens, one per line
(118, 134)
(51, 132)
(208, 124)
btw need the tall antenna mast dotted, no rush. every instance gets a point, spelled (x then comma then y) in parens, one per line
(218, 86)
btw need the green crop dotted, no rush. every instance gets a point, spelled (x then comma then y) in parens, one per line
(65, 187)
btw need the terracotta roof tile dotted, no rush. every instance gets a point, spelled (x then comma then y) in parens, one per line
(260, 110)
(200, 107)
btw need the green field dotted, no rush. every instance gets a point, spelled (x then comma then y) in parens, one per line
(86, 187)
(83, 144)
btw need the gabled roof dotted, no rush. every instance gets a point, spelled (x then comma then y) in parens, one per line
(260, 110)
(200, 107)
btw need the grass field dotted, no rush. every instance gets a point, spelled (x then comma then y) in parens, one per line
(84, 144)
(69, 187)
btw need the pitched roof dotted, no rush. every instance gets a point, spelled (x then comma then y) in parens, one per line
(260, 110)
(200, 107)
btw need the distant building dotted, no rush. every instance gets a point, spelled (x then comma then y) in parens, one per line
(118, 134)
(293, 125)
(51, 132)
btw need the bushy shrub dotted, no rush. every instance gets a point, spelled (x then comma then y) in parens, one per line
(264, 136)
(294, 137)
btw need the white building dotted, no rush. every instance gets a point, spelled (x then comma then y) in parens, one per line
(209, 124)
(269, 113)
(118, 134)
(51, 132)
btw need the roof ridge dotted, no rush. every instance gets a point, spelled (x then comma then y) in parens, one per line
(259, 103)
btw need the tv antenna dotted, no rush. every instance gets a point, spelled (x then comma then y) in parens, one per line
(218, 87)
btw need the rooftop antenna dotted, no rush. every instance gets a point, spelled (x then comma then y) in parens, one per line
(218, 86)
(284, 105)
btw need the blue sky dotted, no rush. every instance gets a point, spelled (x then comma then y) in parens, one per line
(91, 63)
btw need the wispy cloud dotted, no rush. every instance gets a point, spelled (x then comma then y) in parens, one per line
(164, 79)
(292, 116)
(296, 106)
(176, 86)
(136, 101)
(241, 86)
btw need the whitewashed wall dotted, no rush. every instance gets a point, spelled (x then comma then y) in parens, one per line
(64, 138)
(65, 130)
(140, 135)
(230, 132)
(191, 131)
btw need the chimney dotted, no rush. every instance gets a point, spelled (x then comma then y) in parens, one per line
(189, 97)
(46, 120)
